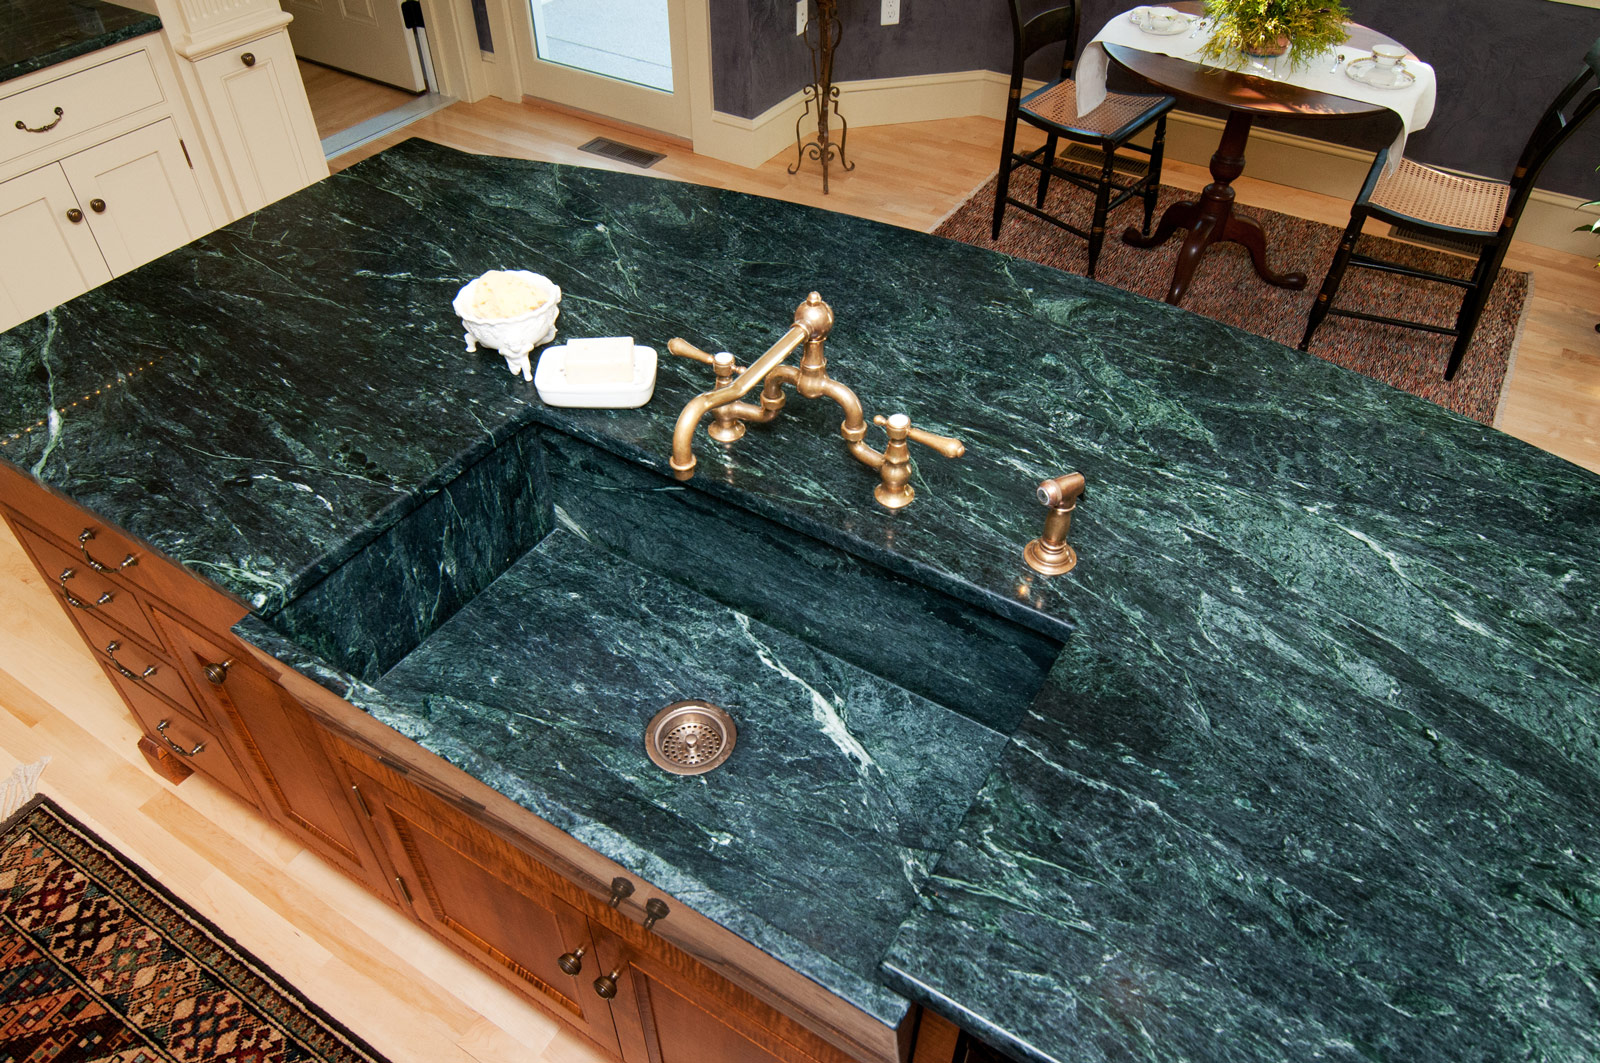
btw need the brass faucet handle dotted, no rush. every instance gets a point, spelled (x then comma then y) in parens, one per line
(684, 349)
(949, 446)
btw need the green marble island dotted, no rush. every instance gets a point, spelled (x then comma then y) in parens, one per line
(1300, 762)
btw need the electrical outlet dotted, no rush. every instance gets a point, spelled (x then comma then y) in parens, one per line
(801, 16)
(891, 13)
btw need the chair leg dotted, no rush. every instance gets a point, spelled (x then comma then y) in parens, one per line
(1048, 159)
(1330, 284)
(1152, 187)
(1477, 297)
(1102, 203)
(1002, 186)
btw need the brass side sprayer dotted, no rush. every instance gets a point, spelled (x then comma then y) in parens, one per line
(1050, 553)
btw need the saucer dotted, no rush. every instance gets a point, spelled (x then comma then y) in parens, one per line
(1178, 23)
(1365, 70)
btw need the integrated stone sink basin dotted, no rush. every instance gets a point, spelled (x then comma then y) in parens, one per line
(869, 708)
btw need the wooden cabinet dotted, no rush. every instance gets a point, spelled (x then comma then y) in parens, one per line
(502, 903)
(503, 887)
(490, 900)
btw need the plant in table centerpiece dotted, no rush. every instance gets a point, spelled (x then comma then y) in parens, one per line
(1244, 28)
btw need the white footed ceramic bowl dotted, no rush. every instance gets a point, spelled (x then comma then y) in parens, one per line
(513, 337)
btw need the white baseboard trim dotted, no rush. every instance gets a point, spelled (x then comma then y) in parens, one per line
(1282, 158)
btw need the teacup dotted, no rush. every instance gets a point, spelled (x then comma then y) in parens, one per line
(1386, 64)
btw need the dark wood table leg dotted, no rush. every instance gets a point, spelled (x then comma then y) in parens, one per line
(1210, 219)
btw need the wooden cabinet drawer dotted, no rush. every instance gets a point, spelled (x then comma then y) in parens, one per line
(137, 665)
(88, 592)
(65, 522)
(76, 103)
(184, 741)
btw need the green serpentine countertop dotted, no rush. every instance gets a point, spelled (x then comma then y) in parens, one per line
(1312, 775)
(35, 34)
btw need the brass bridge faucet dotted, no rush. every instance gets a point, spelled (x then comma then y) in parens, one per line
(812, 321)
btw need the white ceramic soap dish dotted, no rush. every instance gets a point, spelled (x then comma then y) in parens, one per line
(550, 379)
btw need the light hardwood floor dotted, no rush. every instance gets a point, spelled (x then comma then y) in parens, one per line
(340, 100)
(410, 996)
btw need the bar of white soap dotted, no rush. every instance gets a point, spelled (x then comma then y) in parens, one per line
(599, 361)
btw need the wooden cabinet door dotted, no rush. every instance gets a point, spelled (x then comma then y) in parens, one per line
(488, 899)
(669, 1008)
(48, 257)
(280, 746)
(139, 195)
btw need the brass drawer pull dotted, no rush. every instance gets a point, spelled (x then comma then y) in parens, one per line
(26, 128)
(74, 215)
(76, 602)
(606, 984)
(248, 59)
(161, 729)
(572, 962)
(83, 548)
(621, 890)
(217, 674)
(655, 910)
(139, 677)
(97, 205)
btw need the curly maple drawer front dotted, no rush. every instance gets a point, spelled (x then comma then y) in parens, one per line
(191, 744)
(77, 103)
(89, 592)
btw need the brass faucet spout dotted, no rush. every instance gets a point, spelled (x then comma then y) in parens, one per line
(683, 459)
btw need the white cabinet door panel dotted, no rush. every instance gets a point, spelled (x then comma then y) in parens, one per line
(255, 94)
(139, 194)
(45, 259)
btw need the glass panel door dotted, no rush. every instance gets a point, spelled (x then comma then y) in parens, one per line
(613, 57)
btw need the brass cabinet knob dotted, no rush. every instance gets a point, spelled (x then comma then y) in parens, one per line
(217, 674)
(97, 205)
(572, 962)
(248, 59)
(621, 890)
(74, 215)
(655, 910)
(606, 984)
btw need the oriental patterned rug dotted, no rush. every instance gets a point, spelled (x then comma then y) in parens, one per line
(100, 963)
(1226, 288)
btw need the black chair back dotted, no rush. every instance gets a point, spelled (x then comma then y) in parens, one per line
(1055, 25)
(1568, 111)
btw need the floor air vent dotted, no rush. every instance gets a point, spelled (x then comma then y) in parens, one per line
(1413, 235)
(612, 149)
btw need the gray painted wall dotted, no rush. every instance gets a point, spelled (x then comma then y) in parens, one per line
(1499, 62)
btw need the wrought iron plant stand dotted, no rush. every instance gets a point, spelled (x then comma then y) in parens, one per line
(822, 37)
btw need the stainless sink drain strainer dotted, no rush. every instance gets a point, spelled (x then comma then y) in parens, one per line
(690, 737)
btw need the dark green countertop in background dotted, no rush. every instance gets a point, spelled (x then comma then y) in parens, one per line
(35, 34)
(1314, 775)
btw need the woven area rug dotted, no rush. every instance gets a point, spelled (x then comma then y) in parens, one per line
(1226, 288)
(99, 963)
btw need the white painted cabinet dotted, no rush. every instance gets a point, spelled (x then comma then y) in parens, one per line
(263, 122)
(46, 257)
(73, 224)
(140, 195)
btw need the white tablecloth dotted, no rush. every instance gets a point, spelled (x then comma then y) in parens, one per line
(1414, 103)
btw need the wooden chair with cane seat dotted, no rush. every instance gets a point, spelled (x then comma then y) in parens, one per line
(1054, 109)
(1482, 212)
